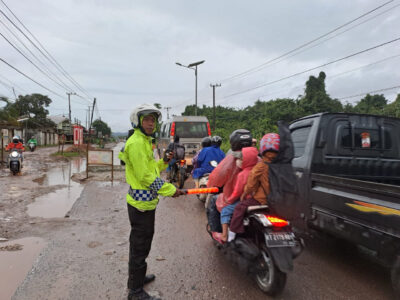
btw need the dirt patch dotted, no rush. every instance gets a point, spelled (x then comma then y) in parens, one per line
(39, 180)
(94, 244)
(15, 247)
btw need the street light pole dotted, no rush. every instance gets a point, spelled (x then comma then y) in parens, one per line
(193, 66)
(213, 87)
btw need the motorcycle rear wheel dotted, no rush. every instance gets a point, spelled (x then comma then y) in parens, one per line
(181, 177)
(269, 278)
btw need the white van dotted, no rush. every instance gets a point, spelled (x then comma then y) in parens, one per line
(190, 129)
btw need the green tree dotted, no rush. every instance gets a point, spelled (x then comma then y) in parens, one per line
(158, 105)
(35, 106)
(102, 127)
(316, 99)
(371, 104)
(393, 109)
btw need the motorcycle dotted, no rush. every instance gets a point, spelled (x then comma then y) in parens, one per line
(203, 180)
(177, 172)
(32, 146)
(265, 250)
(15, 161)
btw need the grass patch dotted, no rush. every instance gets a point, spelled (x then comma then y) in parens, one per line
(67, 154)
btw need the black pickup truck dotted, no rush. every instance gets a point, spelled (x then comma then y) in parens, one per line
(348, 172)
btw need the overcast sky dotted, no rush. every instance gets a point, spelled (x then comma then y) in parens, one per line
(123, 52)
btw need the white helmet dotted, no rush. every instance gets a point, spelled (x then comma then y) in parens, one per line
(142, 110)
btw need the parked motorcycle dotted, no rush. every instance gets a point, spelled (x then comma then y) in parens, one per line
(32, 146)
(15, 161)
(265, 250)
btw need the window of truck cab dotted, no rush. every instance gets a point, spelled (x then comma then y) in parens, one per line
(299, 138)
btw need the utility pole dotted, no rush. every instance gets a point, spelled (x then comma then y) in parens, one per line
(167, 108)
(214, 86)
(69, 108)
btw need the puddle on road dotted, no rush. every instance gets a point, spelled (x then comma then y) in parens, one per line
(14, 265)
(58, 203)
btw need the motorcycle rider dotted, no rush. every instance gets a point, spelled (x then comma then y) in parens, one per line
(258, 182)
(247, 160)
(15, 144)
(143, 176)
(32, 140)
(208, 153)
(225, 175)
(175, 147)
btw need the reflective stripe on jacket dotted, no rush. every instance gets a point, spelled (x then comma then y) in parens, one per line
(142, 173)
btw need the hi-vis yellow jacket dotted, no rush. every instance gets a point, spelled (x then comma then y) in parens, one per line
(142, 173)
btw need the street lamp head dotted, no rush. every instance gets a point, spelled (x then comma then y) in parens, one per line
(196, 63)
(179, 64)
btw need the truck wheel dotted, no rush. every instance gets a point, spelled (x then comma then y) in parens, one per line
(181, 177)
(269, 278)
(395, 274)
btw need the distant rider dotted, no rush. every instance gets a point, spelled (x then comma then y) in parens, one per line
(208, 153)
(32, 140)
(143, 176)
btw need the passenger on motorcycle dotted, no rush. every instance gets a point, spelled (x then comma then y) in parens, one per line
(245, 161)
(257, 185)
(208, 153)
(225, 175)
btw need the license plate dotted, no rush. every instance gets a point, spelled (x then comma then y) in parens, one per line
(279, 239)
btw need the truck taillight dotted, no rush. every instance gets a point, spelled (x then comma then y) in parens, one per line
(173, 129)
(277, 222)
(208, 129)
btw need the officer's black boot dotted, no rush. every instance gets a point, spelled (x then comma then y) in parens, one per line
(140, 294)
(149, 278)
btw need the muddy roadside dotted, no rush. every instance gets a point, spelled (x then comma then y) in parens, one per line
(34, 209)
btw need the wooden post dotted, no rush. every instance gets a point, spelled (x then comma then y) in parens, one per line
(112, 166)
(87, 159)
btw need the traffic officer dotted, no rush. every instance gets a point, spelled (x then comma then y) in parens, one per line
(143, 176)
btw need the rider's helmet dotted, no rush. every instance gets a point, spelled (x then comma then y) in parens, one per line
(206, 142)
(16, 139)
(216, 140)
(269, 142)
(239, 139)
(144, 110)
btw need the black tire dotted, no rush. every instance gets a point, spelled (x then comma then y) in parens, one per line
(181, 177)
(269, 278)
(395, 276)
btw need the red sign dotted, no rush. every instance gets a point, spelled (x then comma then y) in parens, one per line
(78, 135)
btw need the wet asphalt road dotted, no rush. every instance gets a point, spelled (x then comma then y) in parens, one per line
(87, 257)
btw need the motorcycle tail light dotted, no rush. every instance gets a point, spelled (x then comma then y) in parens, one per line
(183, 161)
(277, 222)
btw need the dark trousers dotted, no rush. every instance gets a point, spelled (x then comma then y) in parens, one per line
(239, 213)
(142, 230)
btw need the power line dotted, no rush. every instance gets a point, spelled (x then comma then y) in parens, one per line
(305, 44)
(371, 92)
(20, 52)
(30, 78)
(332, 37)
(65, 86)
(336, 75)
(311, 69)
(52, 60)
